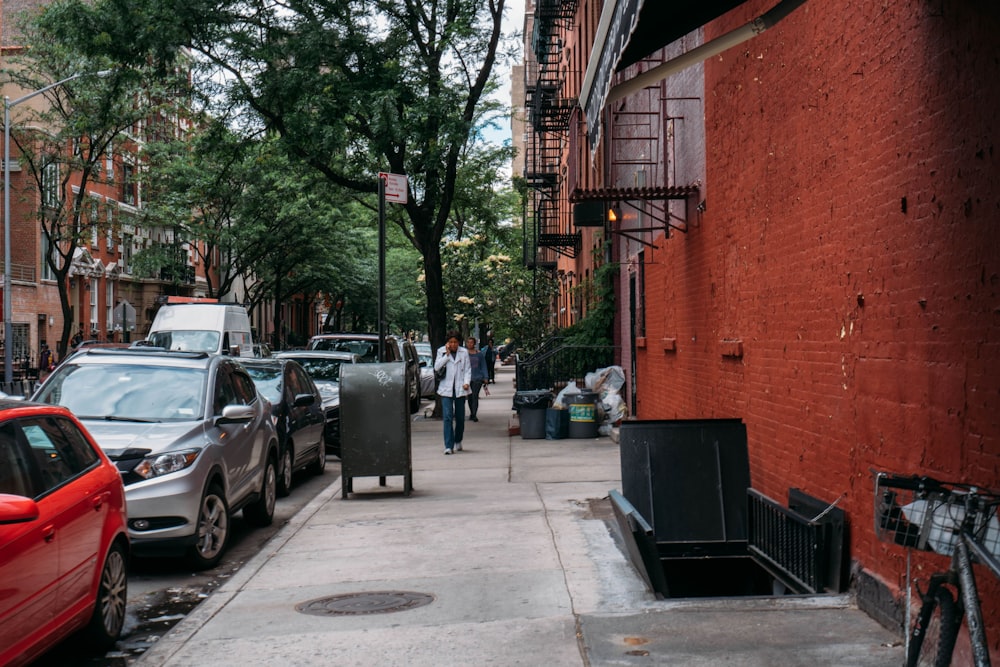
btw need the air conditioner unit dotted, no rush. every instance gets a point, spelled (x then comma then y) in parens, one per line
(121, 263)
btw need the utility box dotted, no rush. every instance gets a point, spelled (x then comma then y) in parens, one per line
(374, 424)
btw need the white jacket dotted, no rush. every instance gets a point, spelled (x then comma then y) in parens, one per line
(458, 374)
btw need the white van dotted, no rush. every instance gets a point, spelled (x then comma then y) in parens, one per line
(202, 327)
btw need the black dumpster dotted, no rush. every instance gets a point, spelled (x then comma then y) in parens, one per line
(531, 405)
(374, 424)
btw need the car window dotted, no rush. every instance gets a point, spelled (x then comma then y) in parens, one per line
(321, 369)
(225, 393)
(192, 341)
(305, 382)
(295, 384)
(15, 475)
(268, 381)
(127, 391)
(246, 392)
(59, 457)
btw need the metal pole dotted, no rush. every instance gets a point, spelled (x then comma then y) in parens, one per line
(381, 271)
(8, 349)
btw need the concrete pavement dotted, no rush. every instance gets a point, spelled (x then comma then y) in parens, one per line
(511, 556)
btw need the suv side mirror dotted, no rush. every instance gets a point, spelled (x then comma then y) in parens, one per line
(302, 400)
(235, 414)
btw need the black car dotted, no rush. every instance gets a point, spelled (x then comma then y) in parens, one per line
(365, 345)
(323, 367)
(297, 413)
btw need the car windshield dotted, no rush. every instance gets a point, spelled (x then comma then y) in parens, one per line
(321, 369)
(267, 380)
(127, 392)
(189, 341)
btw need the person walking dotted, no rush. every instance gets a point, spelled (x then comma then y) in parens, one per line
(479, 376)
(453, 388)
(490, 355)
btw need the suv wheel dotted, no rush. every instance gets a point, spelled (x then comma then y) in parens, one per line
(285, 473)
(213, 529)
(261, 511)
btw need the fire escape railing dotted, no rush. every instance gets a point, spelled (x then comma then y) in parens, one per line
(548, 119)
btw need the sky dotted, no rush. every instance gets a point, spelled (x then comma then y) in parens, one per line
(513, 23)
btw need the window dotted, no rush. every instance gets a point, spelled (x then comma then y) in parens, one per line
(109, 164)
(60, 455)
(111, 228)
(109, 303)
(47, 272)
(126, 255)
(93, 304)
(50, 184)
(130, 189)
(640, 311)
(95, 214)
(15, 475)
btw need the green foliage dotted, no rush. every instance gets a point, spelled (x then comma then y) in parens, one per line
(349, 88)
(590, 340)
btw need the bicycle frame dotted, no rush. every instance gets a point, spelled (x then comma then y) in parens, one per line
(962, 508)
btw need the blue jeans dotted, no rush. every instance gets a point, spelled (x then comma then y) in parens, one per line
(453, 408)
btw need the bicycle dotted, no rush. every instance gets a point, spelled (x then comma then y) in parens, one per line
(957, 520)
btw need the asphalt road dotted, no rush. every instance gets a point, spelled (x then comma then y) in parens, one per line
(162, 591)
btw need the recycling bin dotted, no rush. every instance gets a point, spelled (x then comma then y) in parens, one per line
(582, 414)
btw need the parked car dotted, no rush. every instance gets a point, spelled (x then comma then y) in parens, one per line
(190, 435)
(323, 366)
(63, 539)
(409, 354)
(428, 386)
(366, 346)
(297, 414)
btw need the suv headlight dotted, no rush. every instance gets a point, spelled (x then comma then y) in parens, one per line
(158, 465)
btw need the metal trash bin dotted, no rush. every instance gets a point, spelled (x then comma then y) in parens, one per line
(583, 415)
(374, 424)
(531, 406)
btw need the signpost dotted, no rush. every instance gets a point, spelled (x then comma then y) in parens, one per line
(392, 188)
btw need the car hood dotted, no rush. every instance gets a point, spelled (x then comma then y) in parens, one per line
(117, 437)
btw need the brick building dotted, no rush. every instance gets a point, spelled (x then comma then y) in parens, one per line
(806, 228)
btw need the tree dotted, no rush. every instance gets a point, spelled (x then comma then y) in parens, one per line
(66, 139)
(352, 87)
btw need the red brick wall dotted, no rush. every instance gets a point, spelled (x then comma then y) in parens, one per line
(851, 246)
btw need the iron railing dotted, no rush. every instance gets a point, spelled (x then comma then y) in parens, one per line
(553, 363)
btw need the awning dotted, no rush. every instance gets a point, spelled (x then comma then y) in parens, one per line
(630, 30)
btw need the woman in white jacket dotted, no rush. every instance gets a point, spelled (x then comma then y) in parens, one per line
(453, 388)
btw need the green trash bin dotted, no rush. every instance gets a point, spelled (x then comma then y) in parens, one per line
(582, 414)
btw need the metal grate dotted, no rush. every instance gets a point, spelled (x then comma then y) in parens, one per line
(793, 547)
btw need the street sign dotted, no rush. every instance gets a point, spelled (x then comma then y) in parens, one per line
(395, 187)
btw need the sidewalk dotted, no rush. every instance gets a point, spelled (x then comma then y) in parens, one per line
(508, 544)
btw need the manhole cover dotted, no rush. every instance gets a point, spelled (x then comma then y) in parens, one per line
(356, 604)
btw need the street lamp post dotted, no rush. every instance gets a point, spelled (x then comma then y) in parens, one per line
(8, 326)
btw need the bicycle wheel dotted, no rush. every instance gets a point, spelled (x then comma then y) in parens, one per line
(934, 634)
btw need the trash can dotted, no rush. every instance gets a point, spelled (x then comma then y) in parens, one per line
(531, 406)
(374, 424)
(583, 415)
(556, 423)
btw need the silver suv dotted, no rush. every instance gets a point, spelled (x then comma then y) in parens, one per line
(188, 432)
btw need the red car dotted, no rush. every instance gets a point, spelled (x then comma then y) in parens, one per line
(63, 541)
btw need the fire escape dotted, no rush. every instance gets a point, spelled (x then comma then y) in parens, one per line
(548, 129)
